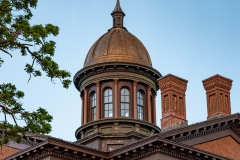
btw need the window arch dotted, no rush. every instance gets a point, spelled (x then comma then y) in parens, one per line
(124, 102)
(108, 103)
(93, 106)
(140, 105)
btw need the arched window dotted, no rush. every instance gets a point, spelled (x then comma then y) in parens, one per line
(140, 105)
(124, 102)
(108, 103)
(93, 107)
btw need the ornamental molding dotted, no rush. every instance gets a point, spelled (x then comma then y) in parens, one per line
(118, 120)
(159, 143)
(148, 147)
(119, 75)
(204, 128)
(173, 85)
(51, 153)
(161, 151)
(217, 82)
(202, 133)
(143, 148)
(171, 82)
(123, 73)
(107, 68)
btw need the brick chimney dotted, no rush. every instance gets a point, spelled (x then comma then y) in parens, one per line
(218, 95)
(173, 91)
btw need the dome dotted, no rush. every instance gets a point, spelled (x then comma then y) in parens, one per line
(117, 54)
(118, 45)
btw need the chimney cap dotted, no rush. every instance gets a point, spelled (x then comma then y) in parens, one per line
(171, 75)
(217, 76)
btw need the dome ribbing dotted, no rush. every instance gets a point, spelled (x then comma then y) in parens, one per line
(118, 45)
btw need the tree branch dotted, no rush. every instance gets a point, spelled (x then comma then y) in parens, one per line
(6, 52)
(14, 35)
(4, 109)
(40, 60)
(30, 73)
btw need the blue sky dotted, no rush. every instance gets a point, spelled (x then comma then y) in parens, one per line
(190, 39)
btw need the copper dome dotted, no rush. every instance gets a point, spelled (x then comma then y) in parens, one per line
(117, 55)
(118, 45)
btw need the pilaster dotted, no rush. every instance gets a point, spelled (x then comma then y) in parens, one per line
(135, 99)
(116, 106)
(98, 100)
(85, 106)
(82, 119)
(149, 104)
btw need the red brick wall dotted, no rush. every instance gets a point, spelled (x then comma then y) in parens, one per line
(225, 146)
(7, 151)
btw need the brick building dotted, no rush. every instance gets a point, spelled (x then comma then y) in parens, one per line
(118, 86)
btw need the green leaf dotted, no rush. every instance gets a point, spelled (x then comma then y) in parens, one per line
(1, 62)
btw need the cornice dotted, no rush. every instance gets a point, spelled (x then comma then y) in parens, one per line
(85, 139)
(59, 148)
(101, 135)
(203, 128)
(76, 148)
(155, 144)
(25, 151)
(143, 148)
(112, 120)
(119, 75)
(89, 71)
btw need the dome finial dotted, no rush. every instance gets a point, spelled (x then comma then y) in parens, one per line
(118, 15)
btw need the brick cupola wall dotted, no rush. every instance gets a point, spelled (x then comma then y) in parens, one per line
(218, 95)
(173, 91)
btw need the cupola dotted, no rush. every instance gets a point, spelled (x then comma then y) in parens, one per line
(117, 86)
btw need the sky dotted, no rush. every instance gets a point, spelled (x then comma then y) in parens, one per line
(190, 39)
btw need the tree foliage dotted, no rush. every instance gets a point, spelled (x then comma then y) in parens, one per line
(35, 122)
(16, 33)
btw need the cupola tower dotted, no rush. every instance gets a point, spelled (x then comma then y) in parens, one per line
(118, 88)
